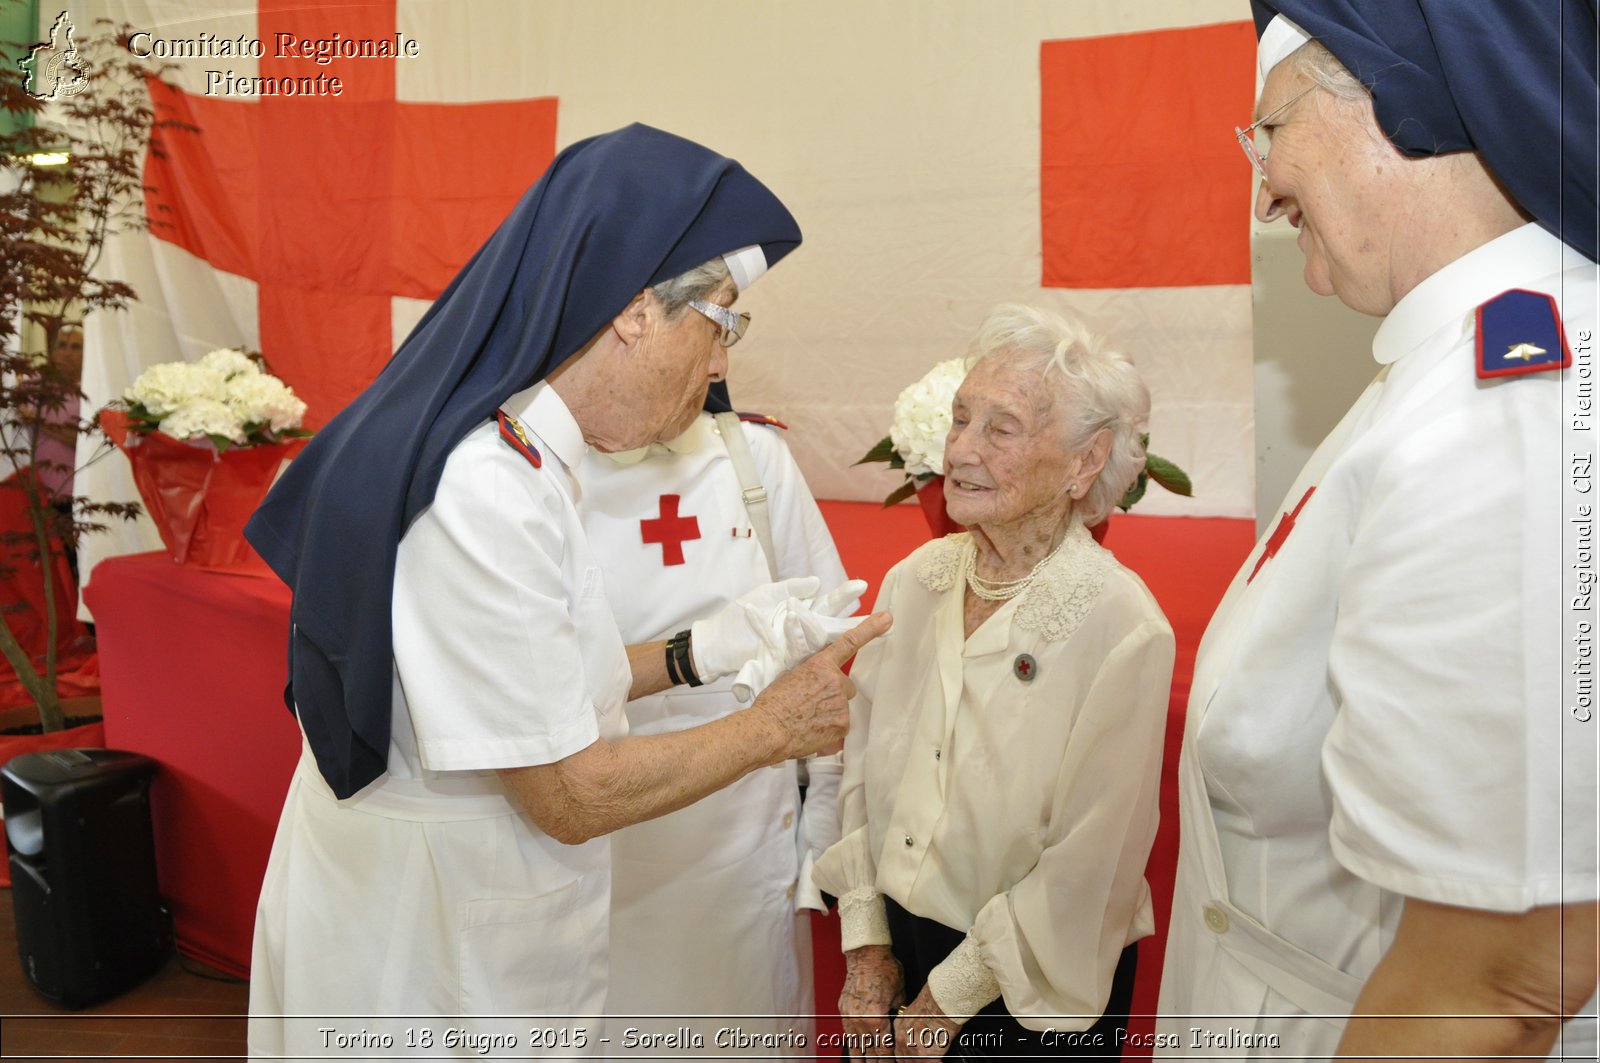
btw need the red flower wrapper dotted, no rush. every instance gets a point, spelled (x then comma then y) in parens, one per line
(199, 498)
(931, 497)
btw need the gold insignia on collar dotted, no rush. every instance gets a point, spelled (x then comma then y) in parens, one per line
(521, 433)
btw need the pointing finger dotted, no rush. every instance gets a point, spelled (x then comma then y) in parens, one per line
(845, 646)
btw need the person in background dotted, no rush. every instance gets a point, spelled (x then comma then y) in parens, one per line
(710, 905)
(1004, 756)
(453, 661)
(56, 448)
(49, 436)
(1388, 810)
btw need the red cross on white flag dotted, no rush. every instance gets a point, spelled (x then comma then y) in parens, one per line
(334, 205)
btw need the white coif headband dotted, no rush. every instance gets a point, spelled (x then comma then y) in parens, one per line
(1278, 40)
(746, 265)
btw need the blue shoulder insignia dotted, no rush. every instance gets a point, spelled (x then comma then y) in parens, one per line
(761, 418)
(512, 432)
(1520, 332)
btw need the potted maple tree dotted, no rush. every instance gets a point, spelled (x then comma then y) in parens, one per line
(73, 137)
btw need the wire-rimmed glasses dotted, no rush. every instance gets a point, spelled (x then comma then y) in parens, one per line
(1258, 159)
(733, 324)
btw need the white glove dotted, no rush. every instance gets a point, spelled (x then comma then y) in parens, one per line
(809, 626)
(801, 627)
(819, 825)
(842, 600)
(738, 632)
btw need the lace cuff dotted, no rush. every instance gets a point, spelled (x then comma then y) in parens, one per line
(961, 984)
(862, 919)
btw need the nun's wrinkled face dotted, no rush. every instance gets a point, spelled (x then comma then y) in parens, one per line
(671, 367)
(1334, 176)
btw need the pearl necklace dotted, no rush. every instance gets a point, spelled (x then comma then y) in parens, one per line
(1004, 590)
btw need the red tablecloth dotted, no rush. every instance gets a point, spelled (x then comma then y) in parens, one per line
(192, 664)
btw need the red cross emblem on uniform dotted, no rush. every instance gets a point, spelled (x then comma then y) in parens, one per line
(670, 530)
(1280, 534)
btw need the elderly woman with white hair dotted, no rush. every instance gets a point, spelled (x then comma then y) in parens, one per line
(1001, 772)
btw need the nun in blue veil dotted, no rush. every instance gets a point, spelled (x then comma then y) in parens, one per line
(1388, 829)
(452, 660)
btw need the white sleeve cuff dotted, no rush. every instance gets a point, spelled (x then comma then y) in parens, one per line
(806, 893)
(862, 919)
(962, 984)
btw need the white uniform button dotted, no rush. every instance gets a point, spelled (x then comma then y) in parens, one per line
(788, 820)
(910, 841)
(935, 754)
(1216, 919)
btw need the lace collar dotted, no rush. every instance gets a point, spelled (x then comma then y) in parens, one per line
(1063, 594)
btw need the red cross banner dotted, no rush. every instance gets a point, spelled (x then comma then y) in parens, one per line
(351, 156)
(329, 244)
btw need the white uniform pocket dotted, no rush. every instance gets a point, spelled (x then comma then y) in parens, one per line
(536, 956)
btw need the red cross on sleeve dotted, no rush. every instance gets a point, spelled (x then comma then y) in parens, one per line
(1280, 533)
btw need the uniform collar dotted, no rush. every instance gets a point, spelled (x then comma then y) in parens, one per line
(690, 440)
(1452, 293)
(544, 413)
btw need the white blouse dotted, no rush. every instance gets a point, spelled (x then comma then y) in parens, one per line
(1006, 784)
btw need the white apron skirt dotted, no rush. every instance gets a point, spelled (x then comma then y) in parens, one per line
(425, 911)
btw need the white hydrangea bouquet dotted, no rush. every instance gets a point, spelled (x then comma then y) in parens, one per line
(921, 422)
(205, 440)
(225, 398)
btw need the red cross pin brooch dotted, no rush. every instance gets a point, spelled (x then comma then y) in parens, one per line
(1280, 533)
(670, 530)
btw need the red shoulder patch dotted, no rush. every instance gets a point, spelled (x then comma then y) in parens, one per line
(1520, 332)
(761, 418)
(512, 432)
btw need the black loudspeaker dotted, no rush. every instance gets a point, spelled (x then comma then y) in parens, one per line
(90, 923)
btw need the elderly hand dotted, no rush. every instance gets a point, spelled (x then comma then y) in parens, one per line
(738, 632)
(799, 627)
(922, 1031)
(809, 706)
(873, 982)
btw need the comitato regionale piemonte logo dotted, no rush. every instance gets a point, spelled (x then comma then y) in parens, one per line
(54, 67)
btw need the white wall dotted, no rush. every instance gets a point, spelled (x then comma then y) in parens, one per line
(1313, 357)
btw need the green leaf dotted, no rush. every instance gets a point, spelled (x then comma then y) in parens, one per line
(882, 451)
(1168, 475)
(901, 493)
(1135, 493)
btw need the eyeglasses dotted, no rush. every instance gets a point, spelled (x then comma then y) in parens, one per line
(733, 325)
(1258, 159)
